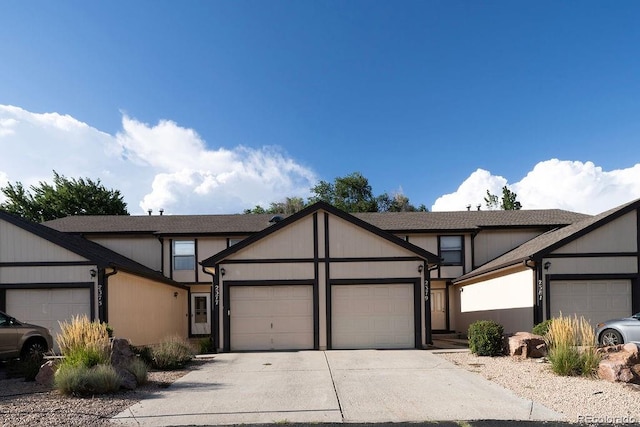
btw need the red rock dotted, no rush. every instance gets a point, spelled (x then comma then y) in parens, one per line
(526, 344)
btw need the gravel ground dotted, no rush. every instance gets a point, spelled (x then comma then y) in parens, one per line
(580, 399)
(29, 404)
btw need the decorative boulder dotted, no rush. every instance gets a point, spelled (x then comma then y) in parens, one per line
(527, 345)
(46, 373)
(121, 358)
(620, 363)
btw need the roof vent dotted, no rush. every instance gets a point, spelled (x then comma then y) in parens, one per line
(150, 211)
(275, 218)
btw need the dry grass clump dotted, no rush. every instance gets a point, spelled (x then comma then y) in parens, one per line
(571, 344)
(83, 335)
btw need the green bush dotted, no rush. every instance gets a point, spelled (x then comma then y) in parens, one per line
(542, 328)
(572, 347)
(87, 357)
(80, 380)
(206, 345)
(145, 353)
(485, 338)
(173, 353)
(139, 369)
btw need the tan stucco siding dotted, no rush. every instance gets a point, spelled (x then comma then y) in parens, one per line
(592, 265)
(144, 311)
(426, 242)
(143, 249)
(619, 235)
(490, 244)
(378, 269)
(347, 240)
(507, 299)
(294, 241)
(210, 246)
(47, 274)
(275, 271)
(18, 245)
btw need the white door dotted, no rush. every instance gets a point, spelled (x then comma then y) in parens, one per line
(438, 309)
(201, 313)
(596, 300)
(271, 317)
(372, 316)
(48, 307)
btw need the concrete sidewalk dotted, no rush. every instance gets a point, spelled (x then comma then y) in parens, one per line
(330, 387)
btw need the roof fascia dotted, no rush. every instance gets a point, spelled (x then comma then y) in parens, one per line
(472, 275)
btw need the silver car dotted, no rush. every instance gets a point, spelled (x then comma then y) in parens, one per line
(619, 331)
(22, 340)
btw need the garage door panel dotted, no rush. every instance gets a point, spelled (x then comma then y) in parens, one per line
(48, 307)
(596, 300)
(271, 317)
(372, 316)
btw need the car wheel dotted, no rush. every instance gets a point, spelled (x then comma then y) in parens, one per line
(33, 349)
(610, 337)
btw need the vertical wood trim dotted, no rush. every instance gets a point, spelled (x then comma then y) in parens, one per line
(316, 289)
(327, 278)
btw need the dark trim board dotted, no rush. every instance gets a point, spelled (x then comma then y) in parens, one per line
(226, 304)
(316, 258)
(316, 285)
(417, 307)
(594, 255)
(47, 264)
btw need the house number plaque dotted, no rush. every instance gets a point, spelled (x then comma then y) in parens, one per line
(99, 295)
(539, 290)
(426, 291)
(216, 294)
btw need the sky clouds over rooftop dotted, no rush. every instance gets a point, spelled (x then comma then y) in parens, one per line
(168, 166)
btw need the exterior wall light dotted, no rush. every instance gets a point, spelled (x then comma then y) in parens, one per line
(93, 272)
(420, 268)
(547, 265)
(222, 271)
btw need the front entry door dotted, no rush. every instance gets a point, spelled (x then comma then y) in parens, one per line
(438, 310)
(201, 313)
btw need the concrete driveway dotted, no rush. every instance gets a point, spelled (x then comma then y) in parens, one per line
(330, 387)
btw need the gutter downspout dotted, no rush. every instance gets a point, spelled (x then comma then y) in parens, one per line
(427, 302)
(537, 289)
(215, 290)
(103, 293)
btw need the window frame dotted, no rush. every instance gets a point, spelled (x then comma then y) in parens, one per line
(458, 250)
(183, 256)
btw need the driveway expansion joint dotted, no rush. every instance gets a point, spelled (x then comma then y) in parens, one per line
(333, 382)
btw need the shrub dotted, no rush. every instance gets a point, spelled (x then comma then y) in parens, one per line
(84, 342)
(139, 369)
(542, 328)
(206, 345)
(173, 353)
(572, 346)
(83, 381)
(485, 338)
(145, 353)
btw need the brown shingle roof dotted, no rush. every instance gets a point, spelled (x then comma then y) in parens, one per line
(547, 242)
(243, 224)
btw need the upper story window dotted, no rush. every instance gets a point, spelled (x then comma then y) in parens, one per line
(451, 250)
(184, 255)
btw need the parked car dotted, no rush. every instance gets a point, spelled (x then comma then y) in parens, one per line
(18, 339)
(619, 331)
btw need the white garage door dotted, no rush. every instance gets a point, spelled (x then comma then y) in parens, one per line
(271, 317)
(47, 307)
(596, 300)
(372, 316)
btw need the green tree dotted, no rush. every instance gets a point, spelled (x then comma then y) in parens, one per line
(65, 197)
(351, 193)
(508, 202)
(290, 205)
(397, 203)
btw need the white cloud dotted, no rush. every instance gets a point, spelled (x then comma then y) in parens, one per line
(562, 184)
(162, 166)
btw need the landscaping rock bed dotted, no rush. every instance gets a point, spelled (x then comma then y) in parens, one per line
(29, 403)
(579, 399)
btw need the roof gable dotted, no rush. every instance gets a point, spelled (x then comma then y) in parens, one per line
(93, 252)
(308, 211)
(546, 243)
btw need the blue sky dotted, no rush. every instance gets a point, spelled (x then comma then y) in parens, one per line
(440, 100)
